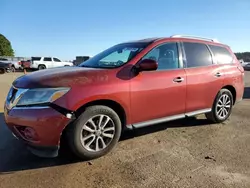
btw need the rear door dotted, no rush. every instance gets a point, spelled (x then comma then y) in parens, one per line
(161, 93)
(204, 77)
(48, 62)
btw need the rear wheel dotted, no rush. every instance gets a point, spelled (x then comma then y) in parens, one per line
(12, 69)
(222, 107)
(41, 67)
(95, 132)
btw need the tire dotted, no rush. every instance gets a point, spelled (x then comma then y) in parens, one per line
(2, 71)
(12, 69)
(76, 133)
(41, 67)
(218, 115)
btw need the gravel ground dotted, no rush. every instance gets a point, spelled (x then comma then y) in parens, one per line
(185, 153)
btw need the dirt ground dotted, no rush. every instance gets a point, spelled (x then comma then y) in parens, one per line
(185, 153)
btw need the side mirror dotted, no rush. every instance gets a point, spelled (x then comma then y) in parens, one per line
(147, 65)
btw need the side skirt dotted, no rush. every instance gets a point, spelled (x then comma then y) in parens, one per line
(166, 119)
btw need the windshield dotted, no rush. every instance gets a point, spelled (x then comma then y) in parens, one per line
(115, 56)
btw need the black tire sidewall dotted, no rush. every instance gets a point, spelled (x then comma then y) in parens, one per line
(41, 67)
(222, 92)
(13, 69)
(75, 141)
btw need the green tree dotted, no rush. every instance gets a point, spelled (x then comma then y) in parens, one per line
(243, 55)
(5, 47)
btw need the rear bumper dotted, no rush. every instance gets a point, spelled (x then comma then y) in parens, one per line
(46, 124)
(238, 100)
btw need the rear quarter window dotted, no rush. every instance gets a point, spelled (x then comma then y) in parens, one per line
(221, 54)
(197, 54)
(35, 58)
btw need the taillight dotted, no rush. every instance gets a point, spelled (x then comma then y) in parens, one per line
(239, 66)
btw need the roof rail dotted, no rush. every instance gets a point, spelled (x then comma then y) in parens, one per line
(194, 37)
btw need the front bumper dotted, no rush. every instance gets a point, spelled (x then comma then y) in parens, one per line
(46, 123)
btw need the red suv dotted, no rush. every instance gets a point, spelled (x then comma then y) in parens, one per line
(130, 85)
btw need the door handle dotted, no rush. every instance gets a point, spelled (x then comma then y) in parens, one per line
(218, 74)
(178, 79)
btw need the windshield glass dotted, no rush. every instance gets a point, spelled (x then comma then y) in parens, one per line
(115, 56)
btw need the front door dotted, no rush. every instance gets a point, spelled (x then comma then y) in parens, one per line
(57, 62)
(159, 94)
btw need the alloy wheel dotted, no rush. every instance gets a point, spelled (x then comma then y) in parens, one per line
(223, 106)
(97, 133)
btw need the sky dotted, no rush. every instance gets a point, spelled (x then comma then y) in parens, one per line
(69, 28)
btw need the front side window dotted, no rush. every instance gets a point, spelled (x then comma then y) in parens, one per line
(221, 54)
(56, 60)
(197, 54)
(47, 59)
(115, 56)
(165, 55)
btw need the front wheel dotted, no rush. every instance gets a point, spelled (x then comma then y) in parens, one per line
(95, 132)
(222, 107)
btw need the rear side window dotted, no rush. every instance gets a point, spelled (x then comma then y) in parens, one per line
(35, 58)
(197, 54)
(221, 54)
(47, 59)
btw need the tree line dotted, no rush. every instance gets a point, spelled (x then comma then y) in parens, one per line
(5, 47)
(243, 55)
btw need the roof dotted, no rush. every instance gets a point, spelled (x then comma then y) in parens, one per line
(153, 39)
(147, 40)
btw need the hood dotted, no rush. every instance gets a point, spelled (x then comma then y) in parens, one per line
(61, 77)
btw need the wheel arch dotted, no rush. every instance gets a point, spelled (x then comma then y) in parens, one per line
(232, 90)
(117, 107)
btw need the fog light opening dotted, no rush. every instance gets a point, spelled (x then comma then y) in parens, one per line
(28, 133)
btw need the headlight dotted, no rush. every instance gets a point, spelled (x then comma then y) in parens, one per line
(41, 96)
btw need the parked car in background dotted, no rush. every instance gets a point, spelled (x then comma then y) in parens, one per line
(47, 62)
(247, 66)
(5, 67)
(128, 86)
(26, 64)
(15, 64)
